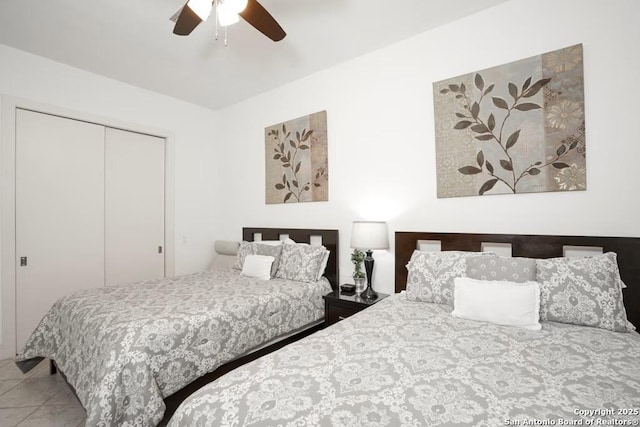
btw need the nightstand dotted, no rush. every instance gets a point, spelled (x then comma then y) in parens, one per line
(338, 306)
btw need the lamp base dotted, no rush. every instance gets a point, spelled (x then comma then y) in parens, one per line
(369, 293)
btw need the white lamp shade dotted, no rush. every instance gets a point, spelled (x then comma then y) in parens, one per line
(226, 16)
(202, 8)
(236, 5)
(370, 235)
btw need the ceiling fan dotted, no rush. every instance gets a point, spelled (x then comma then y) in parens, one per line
(227, 12)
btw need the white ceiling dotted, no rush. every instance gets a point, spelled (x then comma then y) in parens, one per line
(132, 40)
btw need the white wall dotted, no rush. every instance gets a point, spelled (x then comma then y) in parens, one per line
(37, 79)
(381, 133)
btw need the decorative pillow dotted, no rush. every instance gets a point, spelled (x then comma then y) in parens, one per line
(582, 291)
(258, 266)
(488, 267)
(431, 274)
(270, 250)
(246, 248)
(301, 262)
(499, 302)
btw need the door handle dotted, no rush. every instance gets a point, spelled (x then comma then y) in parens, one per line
(159, 249)
(23, 261)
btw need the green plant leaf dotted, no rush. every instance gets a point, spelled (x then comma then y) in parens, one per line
(454, 88)
(282, 147)
(298, 136)
(283, 159)
(463, 88)
(276, 156)
(304, 147)
(315, 184)
(491, 122)
(526, 84)
(527, 106)
(484, 137)
(469, 170)
(489, 167)
(284, 178)
(463, 124)
(458, 96)
(298, 167)
(480, 158)
(500, 103)
(279, 186)
(479, 82)
(573, 145)
(286, 165)
(487, 186)
(461, 116)
(475, 110)
(288, 186)
(489, 89)
(506, 165)
(293, 144)
(513, 139)
(295, 183)
(479, 128)
(535, 88)
(534, 171)
(513, 90)
(284, 128)
(561, 150)
(560, 165)
(444, 90)
(287, 197)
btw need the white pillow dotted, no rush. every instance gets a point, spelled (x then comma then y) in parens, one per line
(499, 302)
(258, 266)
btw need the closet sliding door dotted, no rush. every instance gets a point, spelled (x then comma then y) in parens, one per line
(59, 213)
(134, 207)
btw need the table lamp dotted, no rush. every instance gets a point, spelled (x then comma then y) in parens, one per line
(367, 236)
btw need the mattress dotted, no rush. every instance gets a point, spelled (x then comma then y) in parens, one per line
(125, 348)
(406, 363)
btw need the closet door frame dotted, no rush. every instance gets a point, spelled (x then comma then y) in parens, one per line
(9, 105)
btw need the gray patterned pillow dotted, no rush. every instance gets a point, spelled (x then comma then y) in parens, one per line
(246, 248)
(582, 291)
(431, 274)
(270, 250)
(300, 262)
(511, 269)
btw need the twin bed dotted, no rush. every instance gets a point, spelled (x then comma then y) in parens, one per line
(399, 362)
(125, 349)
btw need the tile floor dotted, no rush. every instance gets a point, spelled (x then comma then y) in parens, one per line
(36, 398)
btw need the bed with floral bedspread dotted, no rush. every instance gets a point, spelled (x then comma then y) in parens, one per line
(407, 363)
(125, 348)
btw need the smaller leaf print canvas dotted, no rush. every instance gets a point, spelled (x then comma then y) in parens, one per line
(297, 167)
(515, 128)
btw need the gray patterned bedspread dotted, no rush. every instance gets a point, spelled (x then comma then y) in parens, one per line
(125, 348)
(404, 363)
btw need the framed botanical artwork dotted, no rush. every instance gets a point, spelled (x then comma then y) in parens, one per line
(297, 167)
(515, 128)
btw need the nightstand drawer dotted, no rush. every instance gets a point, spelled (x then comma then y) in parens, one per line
(336, 313)
(338, 306)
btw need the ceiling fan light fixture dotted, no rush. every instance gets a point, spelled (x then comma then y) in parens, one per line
(202, 8)
(226, 16)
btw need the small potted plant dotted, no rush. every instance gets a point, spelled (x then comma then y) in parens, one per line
(357, 257)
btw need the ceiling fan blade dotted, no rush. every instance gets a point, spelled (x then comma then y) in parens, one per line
(186, 22)
(262, 21)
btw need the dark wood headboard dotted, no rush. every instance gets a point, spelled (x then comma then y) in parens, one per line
(303, 235)
(533, 246)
